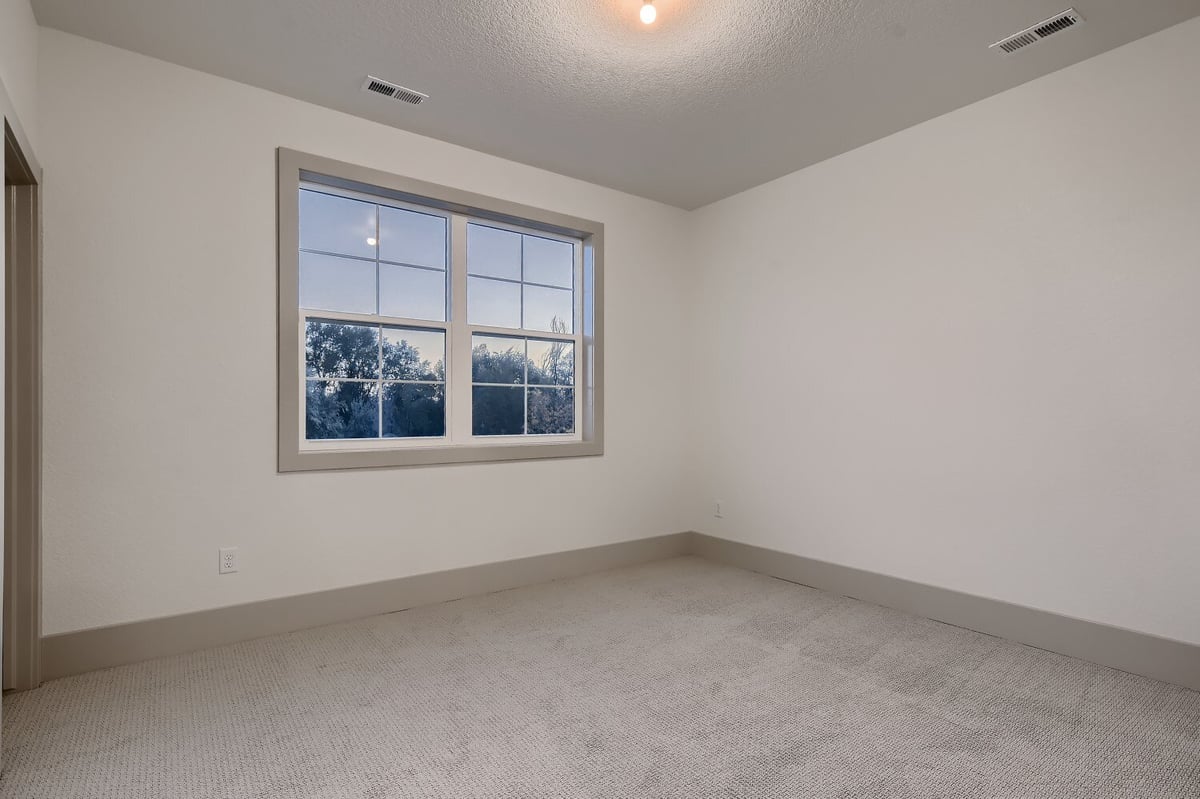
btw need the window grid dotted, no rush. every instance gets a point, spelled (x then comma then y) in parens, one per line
(381, 381)
(378, 203)
(408, 291)
(525, 385)
(461, 429)
(574, 289)
(575, 337)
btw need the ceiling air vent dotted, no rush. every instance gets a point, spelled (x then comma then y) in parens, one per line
(1032, 35)
(380, 86)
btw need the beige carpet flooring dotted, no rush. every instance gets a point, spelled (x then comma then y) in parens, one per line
(673, 679)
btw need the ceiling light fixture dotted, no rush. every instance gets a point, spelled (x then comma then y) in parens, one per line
(649, 12)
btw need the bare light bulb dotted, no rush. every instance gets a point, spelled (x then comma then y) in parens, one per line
(648, 12)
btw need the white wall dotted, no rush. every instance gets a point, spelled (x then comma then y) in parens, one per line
(969, 354)
(18, 62)
(964, 355)
(160, 359)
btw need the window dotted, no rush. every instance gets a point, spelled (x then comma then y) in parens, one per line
(420, 324)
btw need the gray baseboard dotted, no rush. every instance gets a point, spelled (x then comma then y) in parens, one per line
(102, 647)
(1139, 653)
(1163, 659)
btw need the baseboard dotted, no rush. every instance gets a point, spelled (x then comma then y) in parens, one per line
(1139, 653)
(1163, 659)
(101, 647)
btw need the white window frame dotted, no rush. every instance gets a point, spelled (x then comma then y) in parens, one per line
(298, 170)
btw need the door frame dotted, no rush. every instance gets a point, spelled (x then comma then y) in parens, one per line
(22, 621)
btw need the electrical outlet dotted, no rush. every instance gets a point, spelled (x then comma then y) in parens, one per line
(717, 511)
(229, 560)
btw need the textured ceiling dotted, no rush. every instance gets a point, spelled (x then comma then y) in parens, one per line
(716, 97)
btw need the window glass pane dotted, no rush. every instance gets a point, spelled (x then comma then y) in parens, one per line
(498, 410)
(551, 410)
(413, 354)
(412, 293)
(341, 409)
(551, 362)
(412, 410)
(493, 303)
(412, 238)
(336, 224)
(328, 283)
(337, 349)
(495, 359)
(549, 261)
(549, 309)
(493, 252)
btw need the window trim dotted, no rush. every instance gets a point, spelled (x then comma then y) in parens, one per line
(295, 168)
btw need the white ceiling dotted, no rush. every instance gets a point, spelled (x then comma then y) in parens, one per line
(716, 97)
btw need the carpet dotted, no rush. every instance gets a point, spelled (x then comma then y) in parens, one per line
(679, 678)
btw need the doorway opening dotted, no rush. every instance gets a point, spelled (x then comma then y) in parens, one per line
(22, 621)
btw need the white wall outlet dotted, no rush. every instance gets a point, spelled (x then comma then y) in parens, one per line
(717, 510)
(229, 560)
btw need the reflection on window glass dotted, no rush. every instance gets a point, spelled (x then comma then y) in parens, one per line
(341, 243)
(337, 225)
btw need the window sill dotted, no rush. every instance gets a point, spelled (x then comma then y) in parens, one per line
(325, 459)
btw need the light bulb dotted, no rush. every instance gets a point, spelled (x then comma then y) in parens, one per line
(371, 242)
(648, 12)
